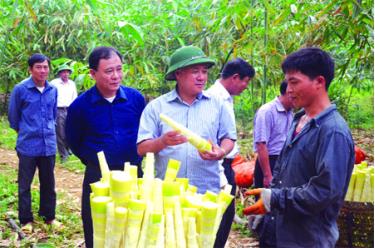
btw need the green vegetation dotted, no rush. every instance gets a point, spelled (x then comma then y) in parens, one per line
(43, 235)
(146, 32)
(8, 136)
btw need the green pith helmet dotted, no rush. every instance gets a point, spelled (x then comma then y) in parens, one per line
(186, 56)
(63, 68)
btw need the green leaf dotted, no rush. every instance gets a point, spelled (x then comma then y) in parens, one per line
(133, 30)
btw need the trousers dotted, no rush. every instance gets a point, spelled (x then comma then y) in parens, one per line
(226, 222)
(26, 170)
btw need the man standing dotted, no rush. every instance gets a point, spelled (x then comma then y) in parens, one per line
(190, 106)
(104, 118)
(312, 173)
(32, 114)
(271, 124)
(234, 79)
(66, 93)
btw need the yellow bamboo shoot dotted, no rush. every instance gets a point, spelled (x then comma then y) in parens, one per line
(201, 144)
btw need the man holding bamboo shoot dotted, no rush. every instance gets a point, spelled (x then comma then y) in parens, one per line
(312, 173)
(200, 118)
(233, 80)
(104, 118)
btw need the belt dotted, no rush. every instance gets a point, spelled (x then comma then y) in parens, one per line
(62, 108)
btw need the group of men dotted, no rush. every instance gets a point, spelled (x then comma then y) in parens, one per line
(308, 181)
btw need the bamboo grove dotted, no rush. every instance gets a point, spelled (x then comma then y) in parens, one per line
(147, 31)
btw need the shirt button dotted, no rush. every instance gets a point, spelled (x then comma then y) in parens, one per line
(272, 218)
(280, 182)
(290, 146)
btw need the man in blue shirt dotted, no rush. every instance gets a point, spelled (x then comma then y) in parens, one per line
(190, 106)
(32, 114)
(205, 114)
(104, 118)
(312, 173)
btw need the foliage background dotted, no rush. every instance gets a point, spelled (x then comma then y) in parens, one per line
(146, 32)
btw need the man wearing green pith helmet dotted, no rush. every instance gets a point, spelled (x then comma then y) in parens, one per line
(66, 94)
(189, 105)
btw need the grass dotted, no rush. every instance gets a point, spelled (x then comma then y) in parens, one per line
(43, 235)
(73, 164)
(8, 136)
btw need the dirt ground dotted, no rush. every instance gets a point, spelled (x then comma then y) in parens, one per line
(70, 183)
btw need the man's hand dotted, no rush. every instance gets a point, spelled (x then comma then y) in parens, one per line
(217, 153)
(173, 138)
(262, 206)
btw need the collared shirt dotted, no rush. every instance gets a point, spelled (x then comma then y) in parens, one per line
(66, 92)
(217, 89)
(271, 125)
(94, 124)
(32, 114)
(206, 116)
(310, 181)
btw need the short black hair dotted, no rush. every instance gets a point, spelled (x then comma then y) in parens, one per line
(38, 58)
(101, 52)
(311, 61)
(238, 66)
(283, 87)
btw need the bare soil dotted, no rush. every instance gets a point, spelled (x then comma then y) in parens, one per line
(70, 183)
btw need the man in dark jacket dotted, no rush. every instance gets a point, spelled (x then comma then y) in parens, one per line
(312, 173)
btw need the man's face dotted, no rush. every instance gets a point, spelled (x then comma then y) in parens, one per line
(64, 75)
(301, 89)
(39, 72)
(238, 85)
(192, 80)
(108, 76)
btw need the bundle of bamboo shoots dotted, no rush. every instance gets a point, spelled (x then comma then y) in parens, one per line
(147, 212)
(361, 185)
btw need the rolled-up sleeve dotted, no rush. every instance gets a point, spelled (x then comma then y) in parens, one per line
(148, 126)
(262, 122)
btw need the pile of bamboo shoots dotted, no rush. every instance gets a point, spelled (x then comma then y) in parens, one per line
(361, 185)
(128, 211)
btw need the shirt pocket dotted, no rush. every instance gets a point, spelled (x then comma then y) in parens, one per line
(32, 107)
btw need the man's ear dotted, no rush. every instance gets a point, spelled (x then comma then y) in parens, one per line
(92, 73)
(177, 73)
(321, 81)
(236, 76)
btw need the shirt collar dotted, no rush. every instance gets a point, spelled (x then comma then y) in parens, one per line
(31, 84)
(173, 96)
(279, 105)
(221, 90)
(96, 96)
(319, 118)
